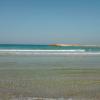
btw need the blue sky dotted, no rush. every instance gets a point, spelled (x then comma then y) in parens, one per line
(50, 21)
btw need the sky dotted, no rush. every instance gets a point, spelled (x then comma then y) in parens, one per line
(50, 21)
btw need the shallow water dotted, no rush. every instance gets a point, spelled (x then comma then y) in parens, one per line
(69, 77)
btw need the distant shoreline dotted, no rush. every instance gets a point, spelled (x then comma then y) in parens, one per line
(74, 45)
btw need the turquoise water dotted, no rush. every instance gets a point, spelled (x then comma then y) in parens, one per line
(47, 47)
(16, 49)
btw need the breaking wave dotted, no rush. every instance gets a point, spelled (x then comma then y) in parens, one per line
(46, 52)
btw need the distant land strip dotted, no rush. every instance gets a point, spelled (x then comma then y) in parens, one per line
(73, 45)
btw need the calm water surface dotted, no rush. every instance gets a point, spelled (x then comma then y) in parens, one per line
(76, 77)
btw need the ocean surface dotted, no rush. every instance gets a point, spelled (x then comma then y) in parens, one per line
(47, 50)
(42, 72)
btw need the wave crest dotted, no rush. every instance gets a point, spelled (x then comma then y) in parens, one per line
(46, 52)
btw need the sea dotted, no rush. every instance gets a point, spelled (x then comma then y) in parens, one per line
(44, 72)
(19, 49)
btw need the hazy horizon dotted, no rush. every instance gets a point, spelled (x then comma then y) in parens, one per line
(50, 21)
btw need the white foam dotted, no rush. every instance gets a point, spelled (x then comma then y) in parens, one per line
(46, 52)
(74, 50)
